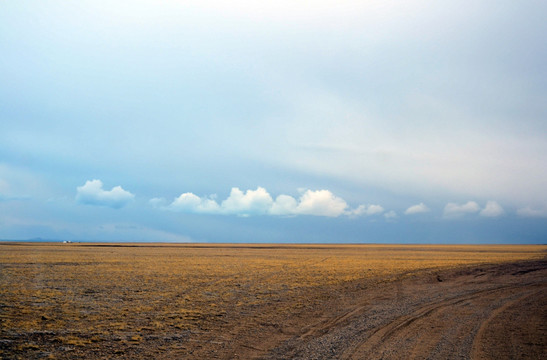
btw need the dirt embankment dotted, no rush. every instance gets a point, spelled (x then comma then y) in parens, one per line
(490, 312)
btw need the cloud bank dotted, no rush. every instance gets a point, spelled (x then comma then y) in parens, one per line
(92, 193)
(260, 202)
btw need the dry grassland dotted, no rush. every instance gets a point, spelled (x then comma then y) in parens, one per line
(104, 300)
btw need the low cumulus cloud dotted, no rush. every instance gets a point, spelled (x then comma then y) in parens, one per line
(250, 202)
(321, 203)
(492, 209)
(284, 205)
(368, 210)
(260, 202)
(92, 193)
(391, 215)
(189, 202)
(417, 209)
(456, 210)
(531, 212)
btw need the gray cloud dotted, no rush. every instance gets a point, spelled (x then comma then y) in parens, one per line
(492, 209)
(368, 210)
(417, 209)
(455, 210)
(532, 212)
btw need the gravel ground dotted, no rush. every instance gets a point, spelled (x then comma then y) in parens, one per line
(478, 312)
(491, 312)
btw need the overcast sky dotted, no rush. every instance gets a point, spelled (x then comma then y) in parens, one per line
(274, 121)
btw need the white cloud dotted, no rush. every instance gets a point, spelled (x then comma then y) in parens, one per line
(530, 212)
(189, 202)
(249, 203)
(492, 209)
(390, 215)
(321, 203)
(417, 209)
(284, 205)
(367, 210)
(374, 209)
(455, 210)
(260, 202)
(92, 193)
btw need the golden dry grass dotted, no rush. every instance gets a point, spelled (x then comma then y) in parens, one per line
(86, 294)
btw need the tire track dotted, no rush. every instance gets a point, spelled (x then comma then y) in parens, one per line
(482, 345)
(428, 320)
(382, 336)
(324, 327)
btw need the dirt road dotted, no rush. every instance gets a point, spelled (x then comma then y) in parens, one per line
(491, 312)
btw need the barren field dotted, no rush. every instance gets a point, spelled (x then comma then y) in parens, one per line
(193, 301)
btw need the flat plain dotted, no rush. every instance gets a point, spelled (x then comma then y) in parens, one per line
(230, 301)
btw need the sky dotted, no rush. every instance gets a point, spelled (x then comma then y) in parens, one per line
(274, 121)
